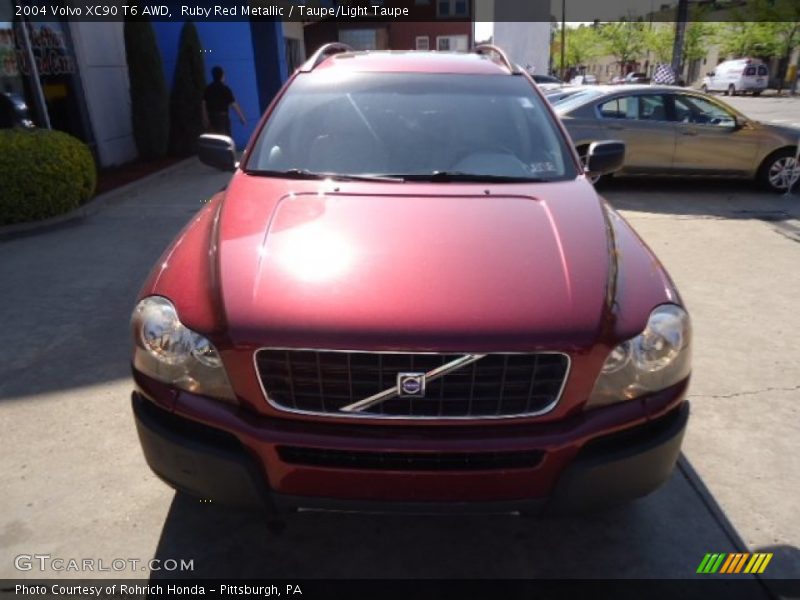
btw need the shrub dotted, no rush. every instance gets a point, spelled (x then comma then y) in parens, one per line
(44, 173)
(149, 98)
(186, 101)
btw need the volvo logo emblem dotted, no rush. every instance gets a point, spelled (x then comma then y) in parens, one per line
(411, 385)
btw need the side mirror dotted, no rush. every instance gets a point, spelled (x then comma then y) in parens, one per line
(218, 151)
(605, 157)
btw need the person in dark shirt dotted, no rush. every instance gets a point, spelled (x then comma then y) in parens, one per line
(217, 101)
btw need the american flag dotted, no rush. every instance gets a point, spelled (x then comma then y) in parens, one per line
(664, 74)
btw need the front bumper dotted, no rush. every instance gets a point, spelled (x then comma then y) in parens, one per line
(584, 464)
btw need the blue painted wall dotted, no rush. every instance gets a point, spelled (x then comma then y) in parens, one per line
(269, 51)
(254, 68)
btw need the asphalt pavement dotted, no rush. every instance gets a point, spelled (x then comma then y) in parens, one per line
(75, 484)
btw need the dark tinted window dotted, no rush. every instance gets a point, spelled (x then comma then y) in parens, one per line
(651, 108)
(412, 124)
(762, 70)
(698, 110)
(640, 107)
(750, 71)
(619, 108)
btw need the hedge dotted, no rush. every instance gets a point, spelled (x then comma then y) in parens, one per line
(148, 90)
(43, 173)
(186, 101)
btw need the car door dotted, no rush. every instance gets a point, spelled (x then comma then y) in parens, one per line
(709, 139)
(641, 121)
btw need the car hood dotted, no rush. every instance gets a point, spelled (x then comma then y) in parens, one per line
(789, 133)
(412, 266)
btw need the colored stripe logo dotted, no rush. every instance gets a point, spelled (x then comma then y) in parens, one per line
(732, 563)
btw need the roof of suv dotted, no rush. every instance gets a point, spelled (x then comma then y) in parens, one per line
(411, 61)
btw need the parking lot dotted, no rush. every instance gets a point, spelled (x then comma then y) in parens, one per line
(76, 485)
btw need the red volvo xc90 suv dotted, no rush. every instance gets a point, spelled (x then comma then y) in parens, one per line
(410, 296)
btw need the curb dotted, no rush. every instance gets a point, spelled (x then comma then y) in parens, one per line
(715, 510)
(93, 206)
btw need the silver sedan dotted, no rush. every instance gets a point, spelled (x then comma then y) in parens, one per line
(677, 131)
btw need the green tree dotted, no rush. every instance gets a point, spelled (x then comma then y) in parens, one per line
(746, 38)
(783, 22)
(186, 100)
(624, 40)
(659, 40)
(696, 40)
(148, 90)
(582, 45)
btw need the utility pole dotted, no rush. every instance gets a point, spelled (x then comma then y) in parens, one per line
(680, 33)
(563, 37)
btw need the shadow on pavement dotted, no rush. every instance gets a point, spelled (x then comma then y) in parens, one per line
(664, 535)
(710, 198)
(67, 292)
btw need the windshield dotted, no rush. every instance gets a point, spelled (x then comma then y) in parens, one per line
(412, 126)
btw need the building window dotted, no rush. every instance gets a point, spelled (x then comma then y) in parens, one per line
(293, 57)
(359, 39)
(452, 43)
(452, 8)
(422, 42)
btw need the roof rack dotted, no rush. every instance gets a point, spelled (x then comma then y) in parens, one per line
(324, 52)
(487, 49)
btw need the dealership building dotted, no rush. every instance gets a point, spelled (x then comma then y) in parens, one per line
(74, 75)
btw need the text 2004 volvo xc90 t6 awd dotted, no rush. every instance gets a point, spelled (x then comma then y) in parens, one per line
(409, 296)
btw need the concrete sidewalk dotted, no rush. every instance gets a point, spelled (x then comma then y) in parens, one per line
(76, 485)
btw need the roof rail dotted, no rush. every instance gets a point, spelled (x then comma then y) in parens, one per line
(487, 49)
(324, 52)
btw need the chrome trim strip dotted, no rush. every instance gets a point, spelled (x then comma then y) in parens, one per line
(431, 375)
(379, 417)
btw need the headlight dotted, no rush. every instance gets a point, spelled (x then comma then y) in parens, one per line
(655, 359)
(168, 351)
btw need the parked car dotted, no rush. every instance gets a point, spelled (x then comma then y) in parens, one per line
(407, 297)
(676, 131)
(547, 82)
(557, 95)
(634, 77)
(546, 79)
(737, 76)
(583, 80)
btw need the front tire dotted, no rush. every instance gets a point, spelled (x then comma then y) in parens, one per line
(704, 88)
(731, 90)
(756, 93)
(779, 171)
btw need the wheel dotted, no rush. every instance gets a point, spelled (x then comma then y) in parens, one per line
(731, 90)
(704, 88)
(756, 92)
(597, 179)
(779, 171)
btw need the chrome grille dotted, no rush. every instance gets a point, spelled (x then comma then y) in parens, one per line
(496, 385)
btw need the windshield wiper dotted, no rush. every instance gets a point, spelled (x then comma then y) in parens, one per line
(306, 174)
(478, 177)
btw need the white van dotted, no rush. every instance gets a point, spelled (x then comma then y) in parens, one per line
(735, 76)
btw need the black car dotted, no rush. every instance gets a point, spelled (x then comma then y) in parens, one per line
(547, 79)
